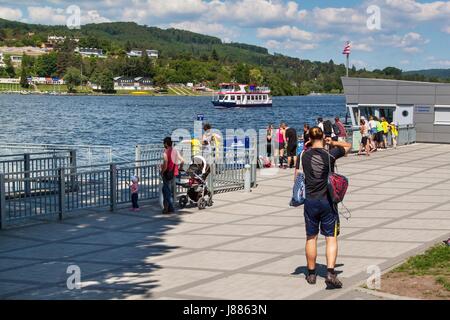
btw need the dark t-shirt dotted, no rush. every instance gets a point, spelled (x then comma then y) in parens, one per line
(316, 168)
(305, 137)
(291, 136)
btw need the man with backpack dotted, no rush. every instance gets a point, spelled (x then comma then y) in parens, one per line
(319, 209)
(339, 129)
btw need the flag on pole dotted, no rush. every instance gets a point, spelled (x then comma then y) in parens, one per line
(347, 48)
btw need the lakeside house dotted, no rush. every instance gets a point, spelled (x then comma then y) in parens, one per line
(135, 53)
(132, 84)
(90, 52)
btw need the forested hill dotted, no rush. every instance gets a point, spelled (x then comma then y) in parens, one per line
(437, 73)
(184, 57)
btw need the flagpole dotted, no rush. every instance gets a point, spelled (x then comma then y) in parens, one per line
(348, 61)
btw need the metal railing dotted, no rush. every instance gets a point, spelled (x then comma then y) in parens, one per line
(406, 135)
(87, 154)
(57, 192)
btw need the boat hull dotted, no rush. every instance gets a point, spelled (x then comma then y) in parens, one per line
(226, 105)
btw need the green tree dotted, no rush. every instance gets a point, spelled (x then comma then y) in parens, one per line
(9, 68)
(72, 78)
(214, 55)
(256, 76)
(23, 78)
(106, 81)
(146, 68)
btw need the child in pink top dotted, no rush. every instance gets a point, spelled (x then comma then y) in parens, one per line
(134, 187)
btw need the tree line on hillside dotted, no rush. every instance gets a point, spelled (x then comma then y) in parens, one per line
(184, 57)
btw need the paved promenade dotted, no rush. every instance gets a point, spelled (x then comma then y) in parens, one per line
(248, 246)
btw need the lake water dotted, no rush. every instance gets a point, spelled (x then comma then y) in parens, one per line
(123, 121)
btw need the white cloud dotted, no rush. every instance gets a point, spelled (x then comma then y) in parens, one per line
(59, 16)
(10, 13)
(420, 11)
(255, 12)
(285, 32)
(93, 16)
(173, 9)
(405, 62)
(290, 45)
(47, 15)
(361, 47)
(348, 19)
(409, 43)
(446, 29)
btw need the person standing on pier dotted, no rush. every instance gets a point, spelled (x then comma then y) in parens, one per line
(319, 211)
(292, 142)
(281, 139)
(339, 129)
(269, 135)
(169, 170)
(134, 188)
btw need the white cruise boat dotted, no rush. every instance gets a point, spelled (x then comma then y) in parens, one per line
(232, 95)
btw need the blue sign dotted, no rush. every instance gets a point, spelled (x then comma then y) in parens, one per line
(423, 109)
(200, 117)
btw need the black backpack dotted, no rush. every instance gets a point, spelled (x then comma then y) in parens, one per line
(336, 129)
(327, 128)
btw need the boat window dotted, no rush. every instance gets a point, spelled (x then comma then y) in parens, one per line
(239, 98)
(221, 97)
(233, 98)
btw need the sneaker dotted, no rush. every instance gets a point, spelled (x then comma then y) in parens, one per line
(311, 278)
(332, 281)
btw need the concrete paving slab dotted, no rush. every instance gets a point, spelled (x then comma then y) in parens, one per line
(400, 235)
(374, 249)
(259, 287)
(217, 260)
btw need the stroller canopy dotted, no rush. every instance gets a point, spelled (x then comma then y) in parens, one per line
(200, 162)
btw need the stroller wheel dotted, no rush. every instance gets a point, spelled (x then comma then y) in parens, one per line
(210, 202)
(183, 202)
(201, 204)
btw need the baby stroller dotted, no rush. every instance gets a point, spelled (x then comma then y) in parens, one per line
(194, 180)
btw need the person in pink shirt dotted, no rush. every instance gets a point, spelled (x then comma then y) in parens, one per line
(134, 187)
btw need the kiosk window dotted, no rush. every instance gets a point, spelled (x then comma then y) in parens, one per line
(442, 115)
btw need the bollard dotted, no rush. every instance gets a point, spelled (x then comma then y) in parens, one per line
(247, 178)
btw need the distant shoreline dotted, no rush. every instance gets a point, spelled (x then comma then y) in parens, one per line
(141, 95)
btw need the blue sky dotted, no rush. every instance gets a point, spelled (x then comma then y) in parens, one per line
(409, 34)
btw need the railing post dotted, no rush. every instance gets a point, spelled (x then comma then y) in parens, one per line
(211, 177)
(247, 178)
(113, 187)
(2, 201)
(26, 169)
(73, 170)
(61, 192)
